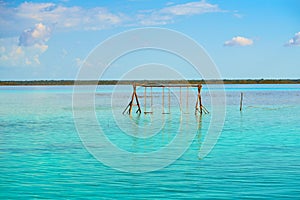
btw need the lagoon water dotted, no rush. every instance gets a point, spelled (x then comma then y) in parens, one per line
(257, 155)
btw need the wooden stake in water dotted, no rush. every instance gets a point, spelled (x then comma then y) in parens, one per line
(169, 100)
(145, 100)
(241, 101)
(131, 103)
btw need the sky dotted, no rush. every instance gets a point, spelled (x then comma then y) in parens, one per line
(245, 39)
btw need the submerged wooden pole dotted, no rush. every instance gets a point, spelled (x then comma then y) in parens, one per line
(126, 107)
(130, 105)
(180, 100)
(145, 100)
(169, 101)
(151, 101)
(187, 100)
(132, 99)
(198, 106)
(199, 96)
(241, 101)
(163, 100)
(137, 101)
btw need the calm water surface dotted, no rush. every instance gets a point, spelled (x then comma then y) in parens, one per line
(257, 155)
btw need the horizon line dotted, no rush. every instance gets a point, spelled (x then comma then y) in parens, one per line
(130, 82)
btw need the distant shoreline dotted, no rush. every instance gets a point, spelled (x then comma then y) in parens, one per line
(129, 82)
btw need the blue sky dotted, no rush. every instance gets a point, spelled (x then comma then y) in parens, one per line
(245, 39)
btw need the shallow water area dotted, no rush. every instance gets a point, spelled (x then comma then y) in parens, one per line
(256, 156)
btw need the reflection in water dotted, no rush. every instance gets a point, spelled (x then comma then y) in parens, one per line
(199, 131)
(181, 126)
(241, 122)
(136, 120)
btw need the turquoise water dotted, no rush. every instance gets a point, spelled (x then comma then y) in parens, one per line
(257, 155)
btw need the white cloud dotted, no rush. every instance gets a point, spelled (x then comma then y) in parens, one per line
(13, 55)
(237, 14)
(191, 8)
(25, 49)
(169, 13)
(41, 47)
(239, 41)
(37, 35)
(78, 62)
(16, 19)
(295, 41)
(74, 17)
(153, 19)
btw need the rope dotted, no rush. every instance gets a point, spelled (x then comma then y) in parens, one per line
(145, 100)
(180, 99)
(163, 100)
(151, 100)
(169, 100)
(187, 99)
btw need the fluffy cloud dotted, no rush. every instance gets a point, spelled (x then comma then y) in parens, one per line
(74, 17)
(239, 41)
(25, 49)
(14, 55)
(37, 35)
(295, 41)
(16, 19)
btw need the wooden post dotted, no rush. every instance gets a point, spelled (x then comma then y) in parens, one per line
(169, 101)
(163, 100)
(132, 98)
(151, 101)
(187, 100)
(145, 100)
(199, 106)
(130, 105)
(241, 101)
(180, 100)
(126, 107)
(137, 101)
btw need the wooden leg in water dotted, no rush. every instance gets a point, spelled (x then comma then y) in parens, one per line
(169, 101)
(130, 105)
(187, 100)
(241, 101)
(127, 107)
(145, 100)
(163, 100)
(199, 106)
(196, 106)
(180, 99)
(138, 104)
(151, 101)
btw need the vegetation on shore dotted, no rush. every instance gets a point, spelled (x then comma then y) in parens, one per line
(129, 82)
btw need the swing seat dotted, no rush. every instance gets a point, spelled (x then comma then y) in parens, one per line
(148, 112)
